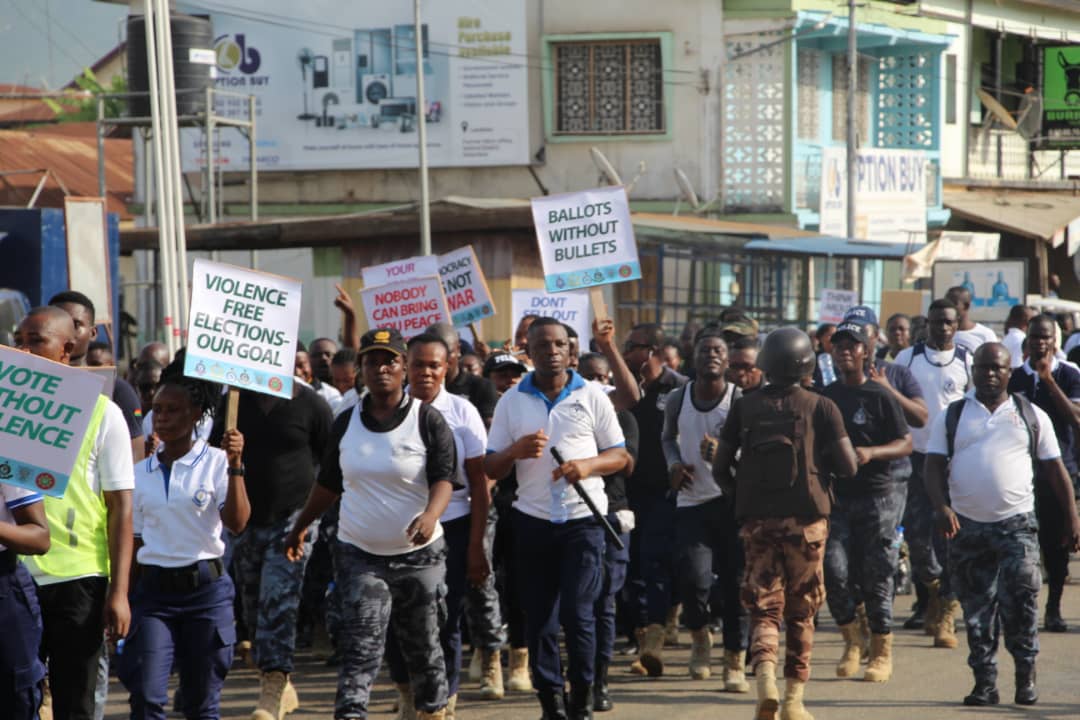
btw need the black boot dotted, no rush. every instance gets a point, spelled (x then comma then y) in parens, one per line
(553, 703)
(918, 611)
(1054, 622)
(602, 698)
(581, 702)
(984, 693)
(1026, 692)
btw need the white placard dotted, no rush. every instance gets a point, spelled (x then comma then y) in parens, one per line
(409, 305)
(570, 308)
(242, 328)
(86, 228)
(395, 270)
(890, 198)
(45, 410)
(335, 83)
(586, 239)
(466, 290)
(834, 303)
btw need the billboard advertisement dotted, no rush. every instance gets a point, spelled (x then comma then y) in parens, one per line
(995, 285)
(890, 197)
(1061, 96)
(335, 83)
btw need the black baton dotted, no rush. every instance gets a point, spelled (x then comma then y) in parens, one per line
(614, 536)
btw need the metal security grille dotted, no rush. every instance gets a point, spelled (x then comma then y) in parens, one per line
(609, 88)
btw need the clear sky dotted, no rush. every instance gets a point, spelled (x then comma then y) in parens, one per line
(51, 41)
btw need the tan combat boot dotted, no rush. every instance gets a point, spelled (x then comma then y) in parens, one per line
(491, 685)
(652, 652)
(45, 711)
(735, 672)
(945, 637)
(767, 692)
(406, 709)
(271, 705)
(849, 661)
(636, 668)
(476, 665)
(880, 668)
(671, 627)
(700, 653)
(933, 608)
(451, 707)
(864, 630)
(289, 699)
(792, 707)
(437, 715)
(519, 671)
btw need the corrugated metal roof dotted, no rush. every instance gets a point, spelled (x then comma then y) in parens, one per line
(73, 160)
(1035, 215)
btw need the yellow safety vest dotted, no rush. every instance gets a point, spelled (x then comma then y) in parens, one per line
(78, 522)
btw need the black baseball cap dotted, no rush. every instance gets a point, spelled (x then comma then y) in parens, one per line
(503, 361)
(855, 329)
(387, 339)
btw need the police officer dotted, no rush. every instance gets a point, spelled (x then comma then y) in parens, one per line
(182, 603)
(23, 531)
(559, 543)
(861, 550)
(707, 537)
(786, 434)
(391, 460)
(987, 451)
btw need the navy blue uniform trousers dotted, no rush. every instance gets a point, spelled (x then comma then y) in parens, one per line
(195, 628)
(562, 573)
(21, 670)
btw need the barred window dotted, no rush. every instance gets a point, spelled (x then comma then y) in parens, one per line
(609, 88)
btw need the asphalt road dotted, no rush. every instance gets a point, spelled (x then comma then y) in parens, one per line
(927, 683)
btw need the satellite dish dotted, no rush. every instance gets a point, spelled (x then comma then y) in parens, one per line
(608, 173)
(997, 109)
(687, 189)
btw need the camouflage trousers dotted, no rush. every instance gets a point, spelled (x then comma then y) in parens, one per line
(270, 590)
(784, 581)
(997, 579)
(862, 553)
(378, 591)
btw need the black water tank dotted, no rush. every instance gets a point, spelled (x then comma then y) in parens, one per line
(188, 33)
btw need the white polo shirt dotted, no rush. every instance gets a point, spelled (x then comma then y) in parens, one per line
(177, 511)
(470, 441)
(942, 377)
(581, 423)
(14, 498)
(1014, 343)
(990, 476)
(971, 339)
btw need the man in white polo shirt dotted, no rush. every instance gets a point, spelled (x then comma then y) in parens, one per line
(985, 452)
(559, 543)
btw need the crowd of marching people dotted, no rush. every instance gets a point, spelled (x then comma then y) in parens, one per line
(414, 498)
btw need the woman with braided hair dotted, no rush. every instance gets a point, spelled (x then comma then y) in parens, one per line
(182, 598)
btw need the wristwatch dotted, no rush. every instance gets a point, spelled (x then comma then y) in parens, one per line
(238, 472)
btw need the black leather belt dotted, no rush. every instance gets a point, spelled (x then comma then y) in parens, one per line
(181, 579)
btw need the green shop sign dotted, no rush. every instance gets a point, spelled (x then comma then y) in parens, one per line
(1061, 96)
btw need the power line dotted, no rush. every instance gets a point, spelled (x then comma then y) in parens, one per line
(42, 31)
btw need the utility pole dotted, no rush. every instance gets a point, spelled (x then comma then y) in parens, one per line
(421, 127)
(852, 124)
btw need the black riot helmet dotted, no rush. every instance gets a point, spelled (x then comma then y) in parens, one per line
(787, 356)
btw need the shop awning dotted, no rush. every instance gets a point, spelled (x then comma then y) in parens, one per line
(831, 246)
(1034, 215)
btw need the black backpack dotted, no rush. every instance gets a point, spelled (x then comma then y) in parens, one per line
(1027, 413)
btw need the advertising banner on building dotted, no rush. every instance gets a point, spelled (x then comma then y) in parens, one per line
(335, 83)
(1061, 96)
(45, 410)
(995, 285)
(242, 328)
(408, 305)
(586, 239)
(569, 308)
(890, 199)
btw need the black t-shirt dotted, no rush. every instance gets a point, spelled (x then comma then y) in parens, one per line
(435, 434)
(615, 485)
(128, 400)
(477, 390)
(872, 417)
(651, 473)
(281, 449)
